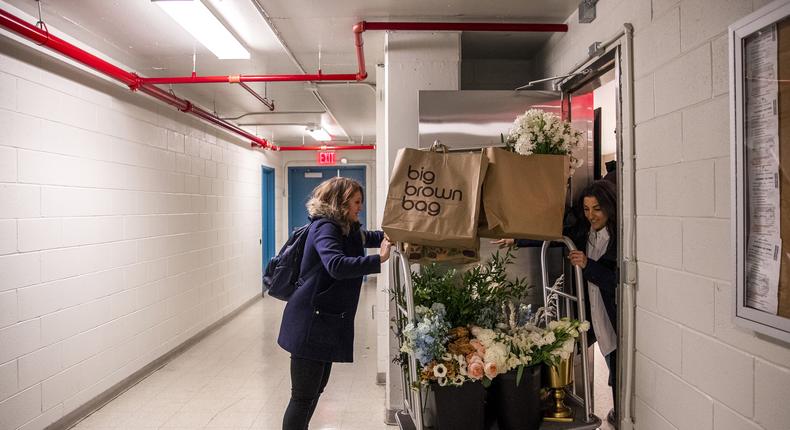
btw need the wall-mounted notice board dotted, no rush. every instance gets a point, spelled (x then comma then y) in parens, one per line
(760, 117)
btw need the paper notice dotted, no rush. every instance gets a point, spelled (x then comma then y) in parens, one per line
(762, 170)
(762, 273)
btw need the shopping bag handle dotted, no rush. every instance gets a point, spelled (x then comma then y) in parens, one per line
(438, 146)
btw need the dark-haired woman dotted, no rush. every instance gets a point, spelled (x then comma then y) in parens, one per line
(318, 322)
(595, 237)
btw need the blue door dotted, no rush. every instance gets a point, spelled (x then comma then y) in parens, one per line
(302, 180)
(267, 215)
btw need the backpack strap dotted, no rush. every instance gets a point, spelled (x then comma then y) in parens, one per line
(315, 268)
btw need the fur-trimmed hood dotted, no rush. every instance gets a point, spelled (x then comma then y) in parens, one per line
(318, 209)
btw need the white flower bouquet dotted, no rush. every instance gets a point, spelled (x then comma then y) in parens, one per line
(540, 132)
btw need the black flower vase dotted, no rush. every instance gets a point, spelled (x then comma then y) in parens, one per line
(460, 408)
(517, 407)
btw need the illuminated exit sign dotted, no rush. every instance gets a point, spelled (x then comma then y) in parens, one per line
(326, 158)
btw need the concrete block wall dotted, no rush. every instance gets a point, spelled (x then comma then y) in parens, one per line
(694, 368)
(125, 229)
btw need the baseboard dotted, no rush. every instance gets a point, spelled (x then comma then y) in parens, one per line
(82, 412)
(389, 417)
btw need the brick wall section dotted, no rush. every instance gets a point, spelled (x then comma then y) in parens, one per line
(694, 368)
(125, 229)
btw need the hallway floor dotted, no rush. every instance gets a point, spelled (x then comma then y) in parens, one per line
(238, 378)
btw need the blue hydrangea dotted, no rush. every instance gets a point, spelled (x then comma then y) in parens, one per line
(427, 339)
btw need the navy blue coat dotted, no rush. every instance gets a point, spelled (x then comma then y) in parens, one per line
(318, 321)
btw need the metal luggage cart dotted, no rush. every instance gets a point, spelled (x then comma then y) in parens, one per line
(583, 406)
(411, 417)
(400, 280)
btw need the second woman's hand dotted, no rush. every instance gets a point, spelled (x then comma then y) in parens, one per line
(504, 243)
(578, 258)
(384, 250)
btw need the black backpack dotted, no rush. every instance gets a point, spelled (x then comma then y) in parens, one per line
(281, 276)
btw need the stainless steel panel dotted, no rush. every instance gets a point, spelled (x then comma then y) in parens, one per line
(475, 119)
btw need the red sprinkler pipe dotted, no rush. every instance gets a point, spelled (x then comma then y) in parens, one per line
(462, 26)
(134, 82)
(248, 78)
(41, 37)
(324, 148)
(358, 29)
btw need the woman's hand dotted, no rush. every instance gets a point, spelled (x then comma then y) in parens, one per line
(504, 243)
(384, 250)
(578, 258)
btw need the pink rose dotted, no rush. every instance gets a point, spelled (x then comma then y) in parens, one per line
(481, 350)
(491, 370)
(475, 370)
(474, 358)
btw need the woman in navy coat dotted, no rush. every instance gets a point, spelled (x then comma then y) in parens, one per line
(318, 322)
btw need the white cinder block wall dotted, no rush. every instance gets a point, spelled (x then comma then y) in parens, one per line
(125, 228)
(694, 368)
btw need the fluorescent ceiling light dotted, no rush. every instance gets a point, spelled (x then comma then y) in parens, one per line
(319, 134)
(195, 18)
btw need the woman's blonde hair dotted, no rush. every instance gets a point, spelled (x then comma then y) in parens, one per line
(331, 199)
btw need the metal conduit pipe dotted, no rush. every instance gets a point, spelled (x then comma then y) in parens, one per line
(135, 83)
(41, 37)
(266, 102)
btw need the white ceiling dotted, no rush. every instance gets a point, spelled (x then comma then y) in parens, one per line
(141, 36)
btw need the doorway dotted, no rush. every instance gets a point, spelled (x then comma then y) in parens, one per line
(601, 104)
(302, 180)
(267, 215)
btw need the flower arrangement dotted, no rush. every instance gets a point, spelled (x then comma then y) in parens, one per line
(472, 327)
(541, 338)
(540, 132)
(471, 298)
(469, 355)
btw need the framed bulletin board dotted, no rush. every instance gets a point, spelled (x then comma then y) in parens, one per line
(760, 117)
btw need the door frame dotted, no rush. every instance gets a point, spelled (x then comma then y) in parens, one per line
(370, 189)
(619, 48)
(268, 215)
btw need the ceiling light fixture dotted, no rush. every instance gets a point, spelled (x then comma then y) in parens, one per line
(318, 133)
(195, 18)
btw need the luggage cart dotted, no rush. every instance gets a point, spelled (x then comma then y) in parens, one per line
(400, 279)
(582, 407)
(411, 417)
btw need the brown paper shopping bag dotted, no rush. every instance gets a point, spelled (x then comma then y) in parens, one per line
(434, 197)
(524, 195)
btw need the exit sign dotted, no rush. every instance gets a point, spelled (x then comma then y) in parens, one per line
(326, 157)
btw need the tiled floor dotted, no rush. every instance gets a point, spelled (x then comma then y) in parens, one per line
(237, 378)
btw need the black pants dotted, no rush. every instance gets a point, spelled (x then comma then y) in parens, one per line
(611, 363)
(308, 379)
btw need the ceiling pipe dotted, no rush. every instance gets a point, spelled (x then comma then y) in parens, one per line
(194, 79)
(461, 26)
(296, 112)
(270, 22)
(266, 102)
(134, 82)
(358, 29)
(327, 148)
